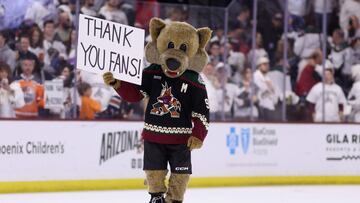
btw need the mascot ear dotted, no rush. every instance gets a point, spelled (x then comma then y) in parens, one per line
(198, 62)
(204, 36)
(156, 25)
(151, 52)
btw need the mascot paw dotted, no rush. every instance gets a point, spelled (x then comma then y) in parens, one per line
(194, 143)
(110, 80)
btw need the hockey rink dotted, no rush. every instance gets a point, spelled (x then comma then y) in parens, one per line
(276, 194)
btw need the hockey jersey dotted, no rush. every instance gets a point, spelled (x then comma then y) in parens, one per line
(177, 107)
(33, 96)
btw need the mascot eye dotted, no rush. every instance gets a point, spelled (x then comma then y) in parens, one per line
(183, 47)
(171, 45)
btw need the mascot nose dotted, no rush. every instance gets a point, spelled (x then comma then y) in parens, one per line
(172, 63)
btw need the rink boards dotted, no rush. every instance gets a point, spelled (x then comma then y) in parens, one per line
(94, 155)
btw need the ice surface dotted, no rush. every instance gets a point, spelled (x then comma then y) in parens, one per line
(279, 194)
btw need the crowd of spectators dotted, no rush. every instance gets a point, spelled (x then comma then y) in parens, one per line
(258, 84)
(43, 48)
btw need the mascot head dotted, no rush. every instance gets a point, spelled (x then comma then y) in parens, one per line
(177, 46)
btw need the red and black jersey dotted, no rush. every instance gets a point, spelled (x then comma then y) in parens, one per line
(177, 107)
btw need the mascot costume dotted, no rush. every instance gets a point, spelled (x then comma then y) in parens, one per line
(177, 114)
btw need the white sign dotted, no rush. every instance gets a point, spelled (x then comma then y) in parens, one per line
(54, 94)
(105, 46)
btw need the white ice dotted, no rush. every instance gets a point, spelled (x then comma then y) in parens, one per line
(279, 194)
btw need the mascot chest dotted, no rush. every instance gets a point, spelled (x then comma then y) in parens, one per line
(169, 96)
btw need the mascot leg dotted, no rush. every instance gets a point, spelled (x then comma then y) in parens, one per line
(156, 185)
(177, 187)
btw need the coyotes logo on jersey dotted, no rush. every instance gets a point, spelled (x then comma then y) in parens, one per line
(166, 103)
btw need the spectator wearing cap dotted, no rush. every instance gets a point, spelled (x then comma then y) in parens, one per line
(354, 94)
(267, 94)
(7, 55)
(88, 8)
(333, 97)
(11, 95)
(33, 91)
(259, 51)
(111, 11)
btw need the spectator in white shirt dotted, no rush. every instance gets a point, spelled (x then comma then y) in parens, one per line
(267, 94)
(306, 44)
(297, 11)
(334, 99)
(243, 110)
(354, 94)
(228, 91)
(11, 95)
(212, 87)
